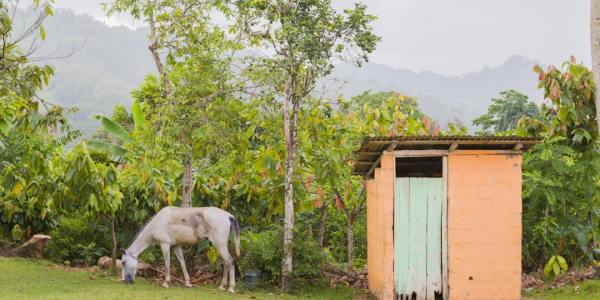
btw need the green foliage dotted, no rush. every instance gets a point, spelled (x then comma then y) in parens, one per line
(39, 182)
(335, 240)
(560, 178)
(263, 250)
(572, 112)
(555, 266)
(115, 129)
(505, 112)
(114, 137)
(79, 238)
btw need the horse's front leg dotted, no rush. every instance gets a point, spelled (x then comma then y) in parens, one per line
(166, 250)
(179, 254)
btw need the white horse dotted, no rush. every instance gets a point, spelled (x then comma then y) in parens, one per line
(174, 226)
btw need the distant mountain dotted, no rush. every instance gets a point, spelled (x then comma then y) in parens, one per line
(444, 98)
(111, 61)
(107, 64)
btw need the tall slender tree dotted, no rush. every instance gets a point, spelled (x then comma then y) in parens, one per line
(595, 42)
(305, 38)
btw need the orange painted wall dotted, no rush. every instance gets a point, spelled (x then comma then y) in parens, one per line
(380, 226)
(484, 226)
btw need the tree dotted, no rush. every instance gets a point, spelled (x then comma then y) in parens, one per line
(505, 112)
(595, 42)
(32, 130)
(305, 37)
(330, 133)
(194, 71)
(560, 175)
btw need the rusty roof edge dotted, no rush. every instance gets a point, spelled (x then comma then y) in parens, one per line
(424, 140)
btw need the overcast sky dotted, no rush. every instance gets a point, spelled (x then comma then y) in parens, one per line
(457, 36)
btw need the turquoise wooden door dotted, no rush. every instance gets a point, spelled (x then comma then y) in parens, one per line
(418, 237)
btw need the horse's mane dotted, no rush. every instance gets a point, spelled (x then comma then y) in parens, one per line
(141, 229)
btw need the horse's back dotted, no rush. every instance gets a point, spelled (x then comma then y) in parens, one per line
(187, 225)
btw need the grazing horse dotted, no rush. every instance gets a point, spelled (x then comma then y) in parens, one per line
(174, 226)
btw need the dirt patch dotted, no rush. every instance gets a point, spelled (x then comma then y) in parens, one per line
(351, 278)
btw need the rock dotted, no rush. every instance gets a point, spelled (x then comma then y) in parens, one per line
(34, 247)
(144, 270)
(105, 262)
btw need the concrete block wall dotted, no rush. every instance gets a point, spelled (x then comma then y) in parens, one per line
(484, 226)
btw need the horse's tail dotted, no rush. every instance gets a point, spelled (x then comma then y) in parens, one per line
(235, 229)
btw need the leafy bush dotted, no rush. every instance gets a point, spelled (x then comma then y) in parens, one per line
(335, 240)
(263, 251)
(555, 266)
(79, 238)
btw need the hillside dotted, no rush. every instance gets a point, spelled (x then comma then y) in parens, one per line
(444, 98)
(111, 61)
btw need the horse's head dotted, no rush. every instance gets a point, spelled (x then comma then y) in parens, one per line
(130, 266)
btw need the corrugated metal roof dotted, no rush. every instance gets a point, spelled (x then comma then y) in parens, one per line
(373, 146)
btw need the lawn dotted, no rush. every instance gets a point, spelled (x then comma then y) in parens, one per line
(31, 279)
(586, 290)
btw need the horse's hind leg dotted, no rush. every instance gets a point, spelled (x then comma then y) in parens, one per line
(166, 249)
(179, 254)
(228, 268)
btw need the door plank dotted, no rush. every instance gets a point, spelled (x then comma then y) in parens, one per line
(434, 237)
(445, 227)
(418, 234)
(401, 234)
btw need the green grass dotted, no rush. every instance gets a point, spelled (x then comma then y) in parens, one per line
(586, 290)
(31, 279)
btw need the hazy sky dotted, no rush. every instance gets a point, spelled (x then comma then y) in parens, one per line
(457, 36)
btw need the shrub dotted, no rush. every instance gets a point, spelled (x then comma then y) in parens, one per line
(79, 238)
(336, 236)
(263, 251)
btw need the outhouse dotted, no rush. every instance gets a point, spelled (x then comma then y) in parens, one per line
(443, 216)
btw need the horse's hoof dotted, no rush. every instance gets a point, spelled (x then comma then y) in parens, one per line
(222, 287)
(165, 284)
(231, 290)
(187, 284)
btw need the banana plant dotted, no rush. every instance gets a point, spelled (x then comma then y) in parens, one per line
(117, 151)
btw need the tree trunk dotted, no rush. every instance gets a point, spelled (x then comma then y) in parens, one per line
(113, 266)
(322, 225)
(350, 234)
(153, 47)
(187, 183)
(595, 42)
(289, 128)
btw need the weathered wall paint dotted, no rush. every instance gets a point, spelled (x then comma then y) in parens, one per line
(434, 237)
(417, 255)
(380, 224)
(484, 226)
(402, 233)
(386, 197)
